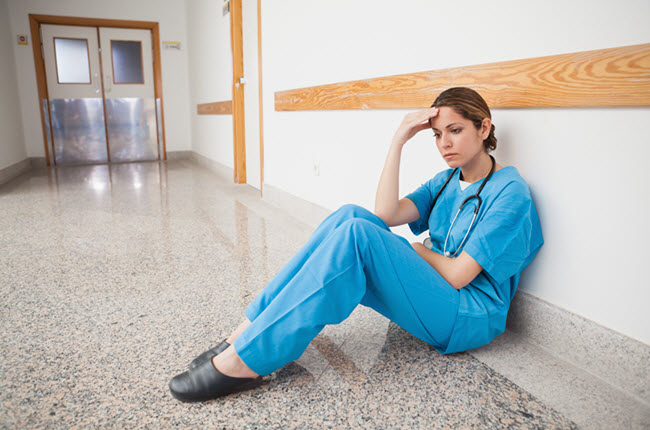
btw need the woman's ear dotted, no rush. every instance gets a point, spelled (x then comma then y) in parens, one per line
(486, 126)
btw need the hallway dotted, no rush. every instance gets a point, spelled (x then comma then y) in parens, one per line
(116, 277)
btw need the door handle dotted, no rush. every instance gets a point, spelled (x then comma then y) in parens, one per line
(109, 83)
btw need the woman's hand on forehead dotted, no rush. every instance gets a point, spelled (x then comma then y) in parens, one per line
(413, 123)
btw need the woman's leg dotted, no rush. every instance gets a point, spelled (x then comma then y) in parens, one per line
(326, 227)
(239, 330)
(286, 274)
(359, 261)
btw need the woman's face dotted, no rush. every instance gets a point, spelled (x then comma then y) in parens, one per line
(458, 141)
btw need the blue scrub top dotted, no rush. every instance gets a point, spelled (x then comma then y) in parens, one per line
(504, 239)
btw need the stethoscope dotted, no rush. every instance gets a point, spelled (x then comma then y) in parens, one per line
(478, 208)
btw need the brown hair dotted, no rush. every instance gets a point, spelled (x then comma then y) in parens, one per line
(469, 104)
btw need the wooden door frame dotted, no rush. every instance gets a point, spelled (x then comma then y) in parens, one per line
(238, 113)
(35, 22)
(259, 85)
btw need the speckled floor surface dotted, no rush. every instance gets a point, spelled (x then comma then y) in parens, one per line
(114, 278)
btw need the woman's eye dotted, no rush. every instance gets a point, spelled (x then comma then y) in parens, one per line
(456, 130)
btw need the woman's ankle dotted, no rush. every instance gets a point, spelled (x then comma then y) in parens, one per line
(239, 330)
(230, 364)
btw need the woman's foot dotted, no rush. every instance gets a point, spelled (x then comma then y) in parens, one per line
(204, 382)
(207, 355)
(230, 364)
(215, 375)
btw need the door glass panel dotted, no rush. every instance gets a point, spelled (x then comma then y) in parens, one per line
(127, 62)
(72, 64)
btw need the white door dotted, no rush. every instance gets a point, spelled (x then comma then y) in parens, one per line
(101, 113)
(127, 66)
(76, 108)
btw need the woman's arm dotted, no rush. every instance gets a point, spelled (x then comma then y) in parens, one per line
(458, 271)
(387, 206)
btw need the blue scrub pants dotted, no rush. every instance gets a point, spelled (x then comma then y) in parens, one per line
(352, 258)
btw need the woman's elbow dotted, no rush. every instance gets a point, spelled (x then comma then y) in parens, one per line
(458, 284)
(383, 217)
(459, 279)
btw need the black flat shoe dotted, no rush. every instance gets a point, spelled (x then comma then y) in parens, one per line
(207, 355)
(204, 382)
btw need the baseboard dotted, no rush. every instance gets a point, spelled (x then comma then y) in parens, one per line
(179, 155)
(220, 169)
(307, 212)
(615, 358)
(38, 162)
(10, 172)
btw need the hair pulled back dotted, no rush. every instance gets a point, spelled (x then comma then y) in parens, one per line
(469, 104)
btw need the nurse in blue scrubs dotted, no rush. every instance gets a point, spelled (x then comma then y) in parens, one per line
(452, 292)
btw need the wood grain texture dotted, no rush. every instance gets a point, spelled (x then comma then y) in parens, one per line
(216, 108)
(236, 40)
(41, 83)
(92, 22)
(158, 89)
(605, 77)
(261, 104)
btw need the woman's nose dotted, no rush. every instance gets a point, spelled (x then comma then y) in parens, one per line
(446, 141)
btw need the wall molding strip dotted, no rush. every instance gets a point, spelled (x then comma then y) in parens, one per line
(604, 77)
(216, 108)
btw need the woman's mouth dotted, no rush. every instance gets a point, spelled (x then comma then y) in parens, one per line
(447, 156)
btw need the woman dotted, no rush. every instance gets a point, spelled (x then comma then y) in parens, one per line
(453, 294)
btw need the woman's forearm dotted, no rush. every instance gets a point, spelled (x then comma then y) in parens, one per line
(458, 271)
(387, 198)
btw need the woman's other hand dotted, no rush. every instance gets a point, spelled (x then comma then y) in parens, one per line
(421, 249)
(412, 124)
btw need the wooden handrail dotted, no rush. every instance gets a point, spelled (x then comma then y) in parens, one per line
(604, 77)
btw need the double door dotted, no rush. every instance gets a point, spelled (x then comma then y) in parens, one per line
(101, 100)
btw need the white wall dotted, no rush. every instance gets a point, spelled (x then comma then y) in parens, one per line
(170, 14)
(210, 69)
(12, 144)
(210, 73)
(586, 166)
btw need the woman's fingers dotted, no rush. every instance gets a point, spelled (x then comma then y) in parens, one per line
(426, 114)
(421, 120)
(423, 117)
(413, 123)
(418, 128)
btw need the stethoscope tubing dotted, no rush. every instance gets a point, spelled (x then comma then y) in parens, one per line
(476, 211)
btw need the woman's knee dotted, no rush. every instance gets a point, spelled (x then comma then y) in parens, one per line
(357, 228)
(349, 211)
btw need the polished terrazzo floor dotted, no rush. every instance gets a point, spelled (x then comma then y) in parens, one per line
(113, 278)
